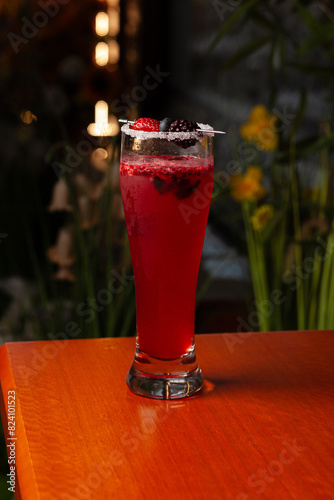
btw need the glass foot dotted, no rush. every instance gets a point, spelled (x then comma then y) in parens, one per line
(165, 379)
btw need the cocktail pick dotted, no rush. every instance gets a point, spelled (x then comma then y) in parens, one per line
(122, 120)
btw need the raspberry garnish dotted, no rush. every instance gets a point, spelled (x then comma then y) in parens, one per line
(146, 124)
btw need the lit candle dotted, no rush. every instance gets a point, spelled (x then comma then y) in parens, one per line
(105, 125)
(101, 23)
(101, 54)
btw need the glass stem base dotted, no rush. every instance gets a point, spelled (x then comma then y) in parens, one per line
(165, 379)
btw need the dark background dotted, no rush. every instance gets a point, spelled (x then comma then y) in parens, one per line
(54, 76)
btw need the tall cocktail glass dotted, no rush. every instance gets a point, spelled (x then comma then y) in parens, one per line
(166, 183)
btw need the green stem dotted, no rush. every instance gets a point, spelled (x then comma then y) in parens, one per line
(330, 308)
(327, 285)
(257, 268)
(37, 270)
(278, 246)
(297, 246)
(314, 295)
(319, 213)
(110, 326)
(84, 269)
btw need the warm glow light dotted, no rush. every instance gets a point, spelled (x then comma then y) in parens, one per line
(101, 112)
(133, 18)
(99, 159)
(28, 117)
(103, 125)
(102, 23)
(101, 54)
(113, 52)
(113, 124)
(113, 21)
(132, 55)
(113, 3)
(101, 153)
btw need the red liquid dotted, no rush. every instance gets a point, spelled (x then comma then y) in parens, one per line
(166, 203)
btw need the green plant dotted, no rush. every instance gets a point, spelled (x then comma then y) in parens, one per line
(287, 208)
(298, 37)
(289, 228)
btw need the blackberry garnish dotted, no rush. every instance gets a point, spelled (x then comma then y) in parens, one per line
(163, 186)
(160, 185)
(186, 189)
(182, 187)
(183, 126)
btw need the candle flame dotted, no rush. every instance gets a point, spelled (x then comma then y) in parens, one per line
(101, 54)
(101, 23)
(104, 125)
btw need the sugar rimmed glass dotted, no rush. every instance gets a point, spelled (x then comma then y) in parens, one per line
(166, 185)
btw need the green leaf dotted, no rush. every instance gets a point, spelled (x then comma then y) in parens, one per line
(262, 21)
(4, 493)
(272, 224)
(301, 110)
(322, 36)
(313, 69)
(307, 147)
(272, 75)
(245, 51)
(240, 12)
(311, 22)
(314, 144)
(275, 26)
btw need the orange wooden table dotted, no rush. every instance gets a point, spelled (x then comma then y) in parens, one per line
(262, 427)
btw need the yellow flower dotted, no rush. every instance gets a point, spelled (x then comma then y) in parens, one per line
(254, 173)
(248, 187)
(262, 216)
(261, 129)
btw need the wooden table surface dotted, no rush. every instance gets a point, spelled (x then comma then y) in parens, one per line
(261, 428)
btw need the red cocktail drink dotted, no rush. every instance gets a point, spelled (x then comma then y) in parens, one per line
(166, 192)
(166, 202)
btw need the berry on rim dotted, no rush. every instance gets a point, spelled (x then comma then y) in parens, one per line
(184, 126)
(146, 124)
(165, 124)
